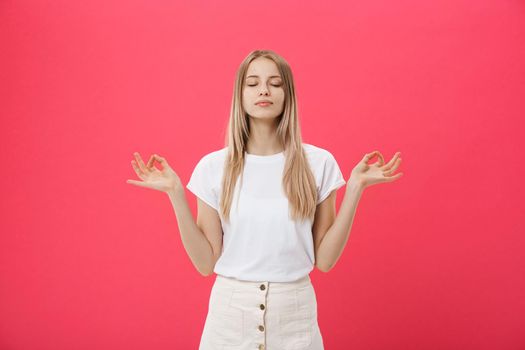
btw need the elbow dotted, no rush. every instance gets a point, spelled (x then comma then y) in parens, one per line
(323, 268)
(206, 271)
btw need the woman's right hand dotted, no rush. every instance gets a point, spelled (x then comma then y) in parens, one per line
(164, 179)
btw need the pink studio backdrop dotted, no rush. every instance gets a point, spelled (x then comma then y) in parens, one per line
(435, 260)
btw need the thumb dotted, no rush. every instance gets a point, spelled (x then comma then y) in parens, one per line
(368, 156)
(161, 160)
(138, 183)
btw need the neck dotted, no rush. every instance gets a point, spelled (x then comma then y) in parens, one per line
(263, 138)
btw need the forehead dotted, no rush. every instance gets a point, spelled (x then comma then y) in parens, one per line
(262, 67)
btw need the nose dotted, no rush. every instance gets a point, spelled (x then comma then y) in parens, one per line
(264, 90)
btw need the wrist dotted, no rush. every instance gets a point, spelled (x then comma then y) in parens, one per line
(175, 191)
(354, 184)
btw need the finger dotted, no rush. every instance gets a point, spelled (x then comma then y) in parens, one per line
(150, 161)
(392, 161)
(154, 169)
(140, 163)
(139, 171)
(161, 160)
(138, 183)
(380, 160)
(393, 168)
(369, 156)
(395, 177)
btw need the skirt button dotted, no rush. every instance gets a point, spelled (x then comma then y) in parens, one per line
(261, 328)
(262, 306)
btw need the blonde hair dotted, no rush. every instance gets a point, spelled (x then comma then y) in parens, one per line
(298, 181)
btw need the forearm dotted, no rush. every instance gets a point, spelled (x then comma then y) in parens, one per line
(334, 241)
(195, 242)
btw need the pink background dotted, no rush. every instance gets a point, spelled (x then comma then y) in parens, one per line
(435, 260)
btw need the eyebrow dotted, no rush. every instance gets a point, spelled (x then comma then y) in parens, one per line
(256, 76)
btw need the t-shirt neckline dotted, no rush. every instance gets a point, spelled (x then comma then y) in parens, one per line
(260, 158)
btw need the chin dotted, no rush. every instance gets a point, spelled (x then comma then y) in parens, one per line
(265, 116)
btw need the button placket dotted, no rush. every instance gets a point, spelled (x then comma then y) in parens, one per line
(263, 287)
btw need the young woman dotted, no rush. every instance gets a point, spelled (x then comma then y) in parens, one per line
(266, 214)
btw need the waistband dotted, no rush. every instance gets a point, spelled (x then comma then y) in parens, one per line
(252, 285)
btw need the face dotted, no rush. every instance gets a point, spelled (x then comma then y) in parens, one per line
(263, 82)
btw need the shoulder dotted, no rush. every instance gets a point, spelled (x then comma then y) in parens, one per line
(214, 158)
(317, 155)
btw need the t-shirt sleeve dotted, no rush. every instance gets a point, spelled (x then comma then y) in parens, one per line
(201, 183)
(332, 178)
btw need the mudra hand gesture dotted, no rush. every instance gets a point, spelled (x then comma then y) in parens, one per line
(369, 174)
(164, 179)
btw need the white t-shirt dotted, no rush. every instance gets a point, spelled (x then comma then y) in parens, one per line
(261, 242)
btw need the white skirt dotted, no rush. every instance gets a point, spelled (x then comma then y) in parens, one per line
(265, 315)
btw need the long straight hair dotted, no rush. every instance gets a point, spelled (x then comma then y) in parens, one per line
(298, 180)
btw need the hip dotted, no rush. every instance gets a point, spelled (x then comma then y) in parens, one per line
(265, 315)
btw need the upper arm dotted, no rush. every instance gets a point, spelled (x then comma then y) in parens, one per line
(201, 183)
(324, 218)
(209, 222)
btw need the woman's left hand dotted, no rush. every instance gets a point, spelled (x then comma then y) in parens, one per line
(370, 174)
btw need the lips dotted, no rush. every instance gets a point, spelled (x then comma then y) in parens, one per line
(264, 102)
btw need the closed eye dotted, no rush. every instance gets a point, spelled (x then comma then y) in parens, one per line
(277, 85)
